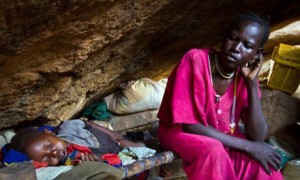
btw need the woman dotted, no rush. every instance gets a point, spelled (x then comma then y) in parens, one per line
(207, 94)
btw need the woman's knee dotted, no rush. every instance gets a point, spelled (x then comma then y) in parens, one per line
(207, 147)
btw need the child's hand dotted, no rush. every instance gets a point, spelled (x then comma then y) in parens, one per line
(90, 157)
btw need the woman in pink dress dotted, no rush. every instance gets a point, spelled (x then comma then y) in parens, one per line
(208, 93)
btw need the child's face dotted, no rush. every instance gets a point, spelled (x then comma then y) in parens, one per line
(47, 148)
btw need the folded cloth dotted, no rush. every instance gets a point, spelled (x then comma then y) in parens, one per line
(112, 159)
(97, 111)
(51, 172)
(2, 141)
(73, 158)
(131, 154)
(8, 135)
(139, 152)
(74, 154)
(126, 159)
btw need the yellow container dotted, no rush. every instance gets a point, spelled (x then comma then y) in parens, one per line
(287, 55)
(285, 75)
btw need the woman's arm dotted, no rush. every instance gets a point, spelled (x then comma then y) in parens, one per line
(227, 140)
(255, 126)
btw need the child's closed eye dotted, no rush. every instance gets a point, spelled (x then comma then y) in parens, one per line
(48, 145)
(45, 159)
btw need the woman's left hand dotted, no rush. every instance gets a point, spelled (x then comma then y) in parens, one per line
(265, 155)
(250, 71)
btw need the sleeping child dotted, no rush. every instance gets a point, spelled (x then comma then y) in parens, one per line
(72, 142)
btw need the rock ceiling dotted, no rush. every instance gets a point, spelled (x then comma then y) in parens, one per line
(57, 57)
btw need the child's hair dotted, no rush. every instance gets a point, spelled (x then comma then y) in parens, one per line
(22, 137)
(250, 16)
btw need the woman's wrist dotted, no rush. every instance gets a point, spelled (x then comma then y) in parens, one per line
(251, 83)
(248, 146)
(252, 88)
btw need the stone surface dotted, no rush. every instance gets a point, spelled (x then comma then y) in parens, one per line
(58, 57)
(282, 112)
(122, 122)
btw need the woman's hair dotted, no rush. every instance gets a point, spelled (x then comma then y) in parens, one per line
(22, 137)
(250, 16)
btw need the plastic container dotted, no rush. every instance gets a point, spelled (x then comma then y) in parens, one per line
(287, 55)
(285, 74)
(286, 151)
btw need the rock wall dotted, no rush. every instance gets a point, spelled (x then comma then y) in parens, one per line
(281, 111)
(57, 57)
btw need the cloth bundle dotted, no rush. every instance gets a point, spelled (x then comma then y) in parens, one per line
(136, 96)
(97, 111)
(6, 136)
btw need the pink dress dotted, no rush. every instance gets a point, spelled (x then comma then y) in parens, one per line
(190, 98)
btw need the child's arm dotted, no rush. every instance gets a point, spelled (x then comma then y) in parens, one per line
(117, 137)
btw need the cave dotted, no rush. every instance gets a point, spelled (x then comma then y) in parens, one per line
(59, 57)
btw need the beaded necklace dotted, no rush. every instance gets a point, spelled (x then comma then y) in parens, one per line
(232, 119)
(216, 67)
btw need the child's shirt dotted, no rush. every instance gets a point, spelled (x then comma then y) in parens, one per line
(80, 133)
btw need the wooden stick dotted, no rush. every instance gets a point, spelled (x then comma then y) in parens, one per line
(147, 163)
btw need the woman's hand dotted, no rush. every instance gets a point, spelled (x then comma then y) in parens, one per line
(250, 72)
(265, 155)
(90, 157)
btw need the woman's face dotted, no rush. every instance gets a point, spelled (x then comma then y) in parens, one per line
(47, 148)
(241, 45)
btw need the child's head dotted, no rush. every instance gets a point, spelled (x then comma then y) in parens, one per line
(40, 146)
